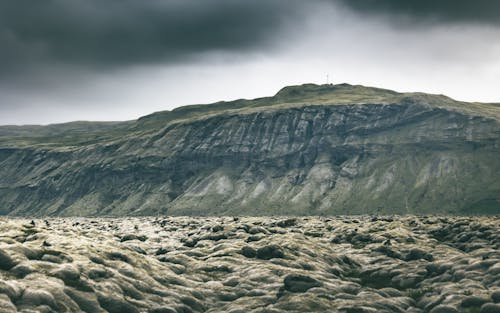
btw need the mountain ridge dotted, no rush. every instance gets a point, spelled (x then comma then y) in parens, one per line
(310, 149)
(286, 96)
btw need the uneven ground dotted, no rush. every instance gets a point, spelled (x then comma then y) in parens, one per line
(248, 264)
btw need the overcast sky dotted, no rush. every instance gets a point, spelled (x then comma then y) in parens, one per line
(64, 60)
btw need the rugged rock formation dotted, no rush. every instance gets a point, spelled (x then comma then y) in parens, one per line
(329, 149)
(383, 264)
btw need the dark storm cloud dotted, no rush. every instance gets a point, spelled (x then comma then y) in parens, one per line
(101, 34)
(106, 33)
(439, 11)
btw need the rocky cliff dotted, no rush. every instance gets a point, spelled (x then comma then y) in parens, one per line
(327, 149)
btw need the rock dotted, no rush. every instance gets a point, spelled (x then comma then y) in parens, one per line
(60, 257)
(352, 289)
(86, 301)
(495, 269)
(385, 249)
(300, 283)
(98, 273)
(407, 281)
(495, 296)
(193, 303)
(21, 270)
(113, 304)
(417, 254)
(164, 309)
(33, 297)
(254, 238)
(231, 281)
(256, 230)
(133, 237)
(444, 309)
(216, 237)
(162, 251)
(216, 268)
(287, 223)
(410, 240)
(490, 308)
(248, 252)
(362, 238)
(190, 242)
(118, 256)
(473, 301)
(51, 258)
(10, 290)
(183, 309)
(6, 261)
(270, 252)
(6, 306)
(391, 292)
(436, 269)
(336, 239)
(67, 273)
(96, 259)
(228, 296)
(357, 309)
(137, 248)
(313, 234)
(217, 228)
(71, 277)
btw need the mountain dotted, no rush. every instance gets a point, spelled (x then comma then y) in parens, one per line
(308, 150)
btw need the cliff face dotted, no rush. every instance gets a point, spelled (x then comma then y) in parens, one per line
(308, 150)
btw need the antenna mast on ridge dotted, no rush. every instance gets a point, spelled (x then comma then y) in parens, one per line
(327, 79)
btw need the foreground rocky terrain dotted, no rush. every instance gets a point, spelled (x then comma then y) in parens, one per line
(308, 150)
(251, 264)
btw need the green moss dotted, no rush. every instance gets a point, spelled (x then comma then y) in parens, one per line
(417, 294)
(29, 231)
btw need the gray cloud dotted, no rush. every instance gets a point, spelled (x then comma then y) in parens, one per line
(436, 11)
(107, 33)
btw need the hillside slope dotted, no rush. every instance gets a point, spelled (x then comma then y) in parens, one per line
(327, 149)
